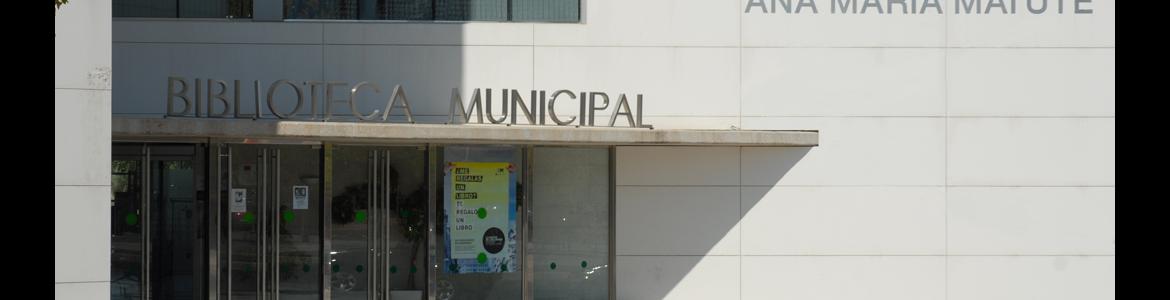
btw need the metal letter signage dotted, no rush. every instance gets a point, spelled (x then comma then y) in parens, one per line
(916, 7)
(513, 109)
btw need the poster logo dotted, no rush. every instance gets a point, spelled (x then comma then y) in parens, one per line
(493, 240)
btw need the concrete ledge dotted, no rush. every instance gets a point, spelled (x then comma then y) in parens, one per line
(131, 128)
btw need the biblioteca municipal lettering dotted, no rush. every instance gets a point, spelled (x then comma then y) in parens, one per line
(969, 7)
(212, 98)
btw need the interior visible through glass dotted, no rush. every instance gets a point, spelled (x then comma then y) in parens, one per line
(125, 225)
(379, 205)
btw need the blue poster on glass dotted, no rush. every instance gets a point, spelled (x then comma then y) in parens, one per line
(480, 217)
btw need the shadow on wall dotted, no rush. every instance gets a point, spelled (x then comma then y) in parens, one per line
(680, 239)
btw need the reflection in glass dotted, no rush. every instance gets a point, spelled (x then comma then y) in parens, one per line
(243, 225)
(471, 10)
(350, 229)
(570, 221)
(175, 245)
(164, 198)
(546, 10)
(447, 10)
(126, 228)
(299, 238)
(382, 190)
(182, 9)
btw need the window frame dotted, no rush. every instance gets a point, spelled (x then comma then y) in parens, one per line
(278, 7)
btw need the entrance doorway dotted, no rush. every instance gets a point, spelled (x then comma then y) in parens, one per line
(158, 228)
(321, 221)
(378, 222)
(270, 221)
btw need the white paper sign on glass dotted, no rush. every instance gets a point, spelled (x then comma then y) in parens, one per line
(239, 200)
(300, 197)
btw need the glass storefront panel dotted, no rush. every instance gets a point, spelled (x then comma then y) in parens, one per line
(158, 222)
(298, 214)
(570, 223)
(126, 226)
(273, 213)
(477, 235)
(243, 236)
(379, 221)
(175, 239)
(269, 218)
(350, 214)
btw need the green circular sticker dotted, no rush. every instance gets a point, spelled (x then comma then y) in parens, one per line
(481, 258)
(131, 219)
(393, 269)
(359, 268)
(504, 268)
(288, 216)
(584, 264)
(336, 268)
(481, 213)
(552, 266)
(453, 267)
(360, 216)
(413, 269)
(248, 218)
(306, 268)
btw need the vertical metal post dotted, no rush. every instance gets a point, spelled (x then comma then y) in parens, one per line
(145, 229)
(371, 229)
(262, 233)
(612, 223)
(433, 177)
(384, 238)
(213, 215)
(526, 226)
(228, 247)
(326, 208)
(276, 219)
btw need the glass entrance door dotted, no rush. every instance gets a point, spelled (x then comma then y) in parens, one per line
(271, 222)
(158, 221)
(377, 208)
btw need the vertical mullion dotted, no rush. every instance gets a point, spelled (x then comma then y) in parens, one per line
(612, 223)
(262, 225)
(214, 194)
(326, 208)
(276, 225)
(431, 266)
(371, 217)
(526, 225)
(384, 263)
(145, 228)
(228, 246)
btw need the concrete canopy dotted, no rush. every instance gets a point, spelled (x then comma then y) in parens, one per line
(130, 128)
